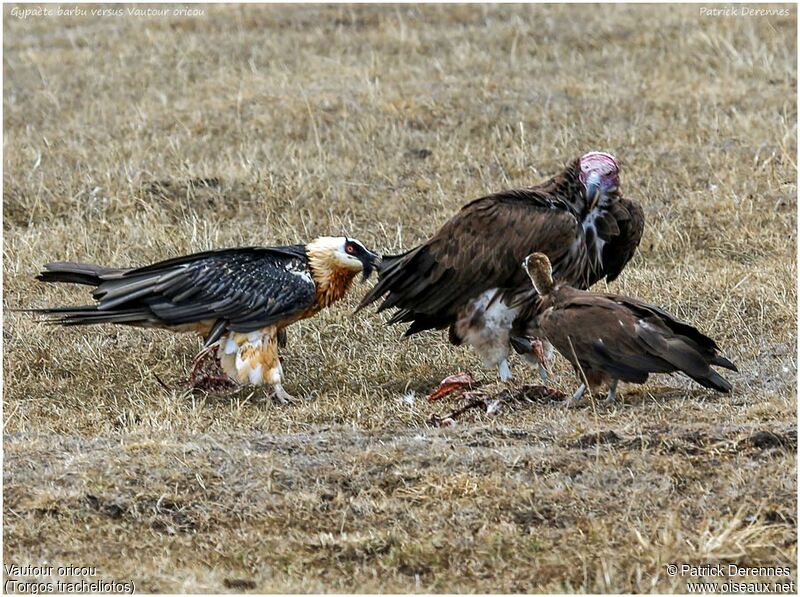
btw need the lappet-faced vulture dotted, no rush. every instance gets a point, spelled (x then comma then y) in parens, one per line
(467, 277)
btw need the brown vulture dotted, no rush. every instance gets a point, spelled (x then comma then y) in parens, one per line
(240, 300)
(467, 277)
(608, 337)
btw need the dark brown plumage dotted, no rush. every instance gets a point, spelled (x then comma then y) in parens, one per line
(610, 338)
(239, 299)
(467, 276)
(619, 248)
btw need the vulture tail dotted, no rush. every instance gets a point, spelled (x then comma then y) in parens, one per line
(421, 323)
(88, 274)
(714, 381)
(386, 268)
(89, 315)
(387, 261)
(404, 280)
(721, 361)
(684, 354)
(77, 273)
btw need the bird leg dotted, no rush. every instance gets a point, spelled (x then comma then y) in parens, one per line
(253, 359)
(576, 397)
(612, 393)
(505, 371)
(204, 379)
(274, 376)
(281, 395)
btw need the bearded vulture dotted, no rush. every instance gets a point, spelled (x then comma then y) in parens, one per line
(468, 277)
(608, 337)
(240, 300)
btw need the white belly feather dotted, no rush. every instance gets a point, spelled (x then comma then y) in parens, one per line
(485, 324)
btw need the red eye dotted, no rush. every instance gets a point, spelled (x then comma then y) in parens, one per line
(349, 248)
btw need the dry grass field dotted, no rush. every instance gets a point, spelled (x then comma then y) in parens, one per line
(131, 139)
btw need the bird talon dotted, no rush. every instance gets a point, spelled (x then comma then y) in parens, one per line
(281, 396)
(611, 399)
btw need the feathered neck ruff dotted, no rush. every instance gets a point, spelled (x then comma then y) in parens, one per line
(332, 279)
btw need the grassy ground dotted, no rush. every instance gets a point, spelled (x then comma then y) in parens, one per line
(133, 139)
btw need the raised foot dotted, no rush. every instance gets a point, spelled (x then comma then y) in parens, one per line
(533, 350)
(538, 349)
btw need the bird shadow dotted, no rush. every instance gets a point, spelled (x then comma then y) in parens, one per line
(659, 394)
(223, 393)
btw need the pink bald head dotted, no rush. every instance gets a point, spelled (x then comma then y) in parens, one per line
(603, 166)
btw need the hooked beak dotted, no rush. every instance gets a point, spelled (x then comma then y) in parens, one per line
(592, 185)
(371, 264)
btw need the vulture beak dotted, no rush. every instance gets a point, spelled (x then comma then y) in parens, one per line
(592, 185)
(371, 262)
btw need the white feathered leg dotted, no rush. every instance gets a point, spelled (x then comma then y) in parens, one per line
(252, 359)
(276, 379)
(485, 324)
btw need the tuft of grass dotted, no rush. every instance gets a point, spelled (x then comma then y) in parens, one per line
(264, 125)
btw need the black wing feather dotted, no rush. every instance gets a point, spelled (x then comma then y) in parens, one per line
(247, 288)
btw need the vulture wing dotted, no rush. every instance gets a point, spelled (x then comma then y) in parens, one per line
(671, 325)
(628, 339)
(241, 289)
(480, 248)
(619, 248)
(601, 335)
